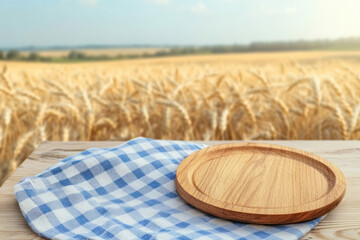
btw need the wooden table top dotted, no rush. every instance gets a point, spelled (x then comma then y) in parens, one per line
(341, 223)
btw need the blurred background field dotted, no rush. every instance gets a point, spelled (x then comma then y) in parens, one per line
(302, 95)
(89, 70)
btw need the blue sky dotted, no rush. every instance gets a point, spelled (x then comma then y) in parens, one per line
(76, 22)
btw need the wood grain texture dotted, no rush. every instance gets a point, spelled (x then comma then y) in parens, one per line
(260, 183)
(342, 223)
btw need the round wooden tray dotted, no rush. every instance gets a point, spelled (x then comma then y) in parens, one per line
(260, 183)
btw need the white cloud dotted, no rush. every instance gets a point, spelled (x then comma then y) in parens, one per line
(200, 8)
(88, 3)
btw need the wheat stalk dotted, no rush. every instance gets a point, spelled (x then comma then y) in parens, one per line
(43, 133)
(5, 79)
(65, 136)
(297, 82)
(41, 114)
(21, 143)
(28, 94)
(87, 100)
(248, 110)
(55, 113)
(342, 122)
(166, 120)
(340, 95)
(183, 112)
(60, 88)
(214, 120)
(224, 120)
(7, 117)
(6, 91)
(282, 106)
(354, 119)
(261, 77)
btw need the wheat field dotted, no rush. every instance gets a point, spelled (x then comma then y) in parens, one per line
(312, 95)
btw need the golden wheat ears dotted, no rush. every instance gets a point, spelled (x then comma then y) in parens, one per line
(192, 101)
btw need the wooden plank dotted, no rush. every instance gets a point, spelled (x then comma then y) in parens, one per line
(342, 223)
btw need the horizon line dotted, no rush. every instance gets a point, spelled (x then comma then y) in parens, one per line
(113, 46)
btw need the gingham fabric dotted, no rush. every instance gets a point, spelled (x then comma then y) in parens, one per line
(128, 192)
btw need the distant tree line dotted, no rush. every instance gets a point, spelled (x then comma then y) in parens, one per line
(17, 55)
(340, 44)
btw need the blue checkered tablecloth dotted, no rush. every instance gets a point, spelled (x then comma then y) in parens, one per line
(128, 192)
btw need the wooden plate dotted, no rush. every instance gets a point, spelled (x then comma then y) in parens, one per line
(260, 183)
